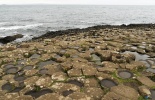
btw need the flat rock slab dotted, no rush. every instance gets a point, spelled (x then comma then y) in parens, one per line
(146, 81)
(74, 72)
(110, 64)
(89, 71)
(31, 81)
(95, 93)
(91, 82)
(106, 69)
(105, 55)
(125, 91)
(44, 82)
(24, 97)
(134, 65)
(51, 96)
(114, 96)
(79, 96)
(9, 96)
(61, 87)
(59, 76)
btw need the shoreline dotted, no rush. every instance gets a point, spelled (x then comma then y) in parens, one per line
(78, 30)
(52, 34)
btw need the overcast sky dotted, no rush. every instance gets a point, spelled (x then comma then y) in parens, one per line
(92, 2)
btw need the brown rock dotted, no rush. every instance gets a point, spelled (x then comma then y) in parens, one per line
(31, 72)
(60, 87)
(89, 71)
(135, 65)
(24, 45)
(146, 81)
(125, 91)
(59, 76)
(66, 65)
(101, 75)
(110, 64)
(79, 96)
(114, 96)
(51, 96)
(105, 55)
(95, 93)
(144, 91)
(10, 48)
(9, 96)
(106, 69)
(91, 82)
(24, 97)
(31, 81)
(44, 82)
(74, 72)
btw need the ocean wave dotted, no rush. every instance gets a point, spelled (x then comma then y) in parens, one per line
(20, 27)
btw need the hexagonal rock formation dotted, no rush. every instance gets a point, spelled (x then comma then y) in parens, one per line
(146, 81)
(90, 65)
(79, 96)
(125, 91)
(51, 96)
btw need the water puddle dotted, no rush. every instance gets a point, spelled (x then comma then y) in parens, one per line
(43, 71)
(17, 89)
(42, 64)
(138, 56)
(125, 74)
(150, 70)
(75, 82)
(37, 94)
(67, 92)
(19, 65)
(28, 68)
(7, 87)
(8, 66)
(108, 83)
(146, 63)
(19, 78)
(149, 62)
(12, 70)
(35, 56)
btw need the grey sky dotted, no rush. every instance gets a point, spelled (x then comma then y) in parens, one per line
(98, 2)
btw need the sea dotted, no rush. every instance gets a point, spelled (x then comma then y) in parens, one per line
(36, 20)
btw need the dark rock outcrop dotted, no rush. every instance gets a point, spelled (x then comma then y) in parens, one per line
(8, 39)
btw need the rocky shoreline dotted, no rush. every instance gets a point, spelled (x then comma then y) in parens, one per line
(96, 63)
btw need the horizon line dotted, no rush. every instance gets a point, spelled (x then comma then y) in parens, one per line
(86, 4)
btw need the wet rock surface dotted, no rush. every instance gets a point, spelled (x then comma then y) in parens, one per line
(98, 63)
(10, 38)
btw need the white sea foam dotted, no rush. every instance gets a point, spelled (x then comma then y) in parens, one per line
(19, 27)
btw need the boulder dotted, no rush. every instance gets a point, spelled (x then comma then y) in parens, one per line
(144, 91)
(8, 39)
